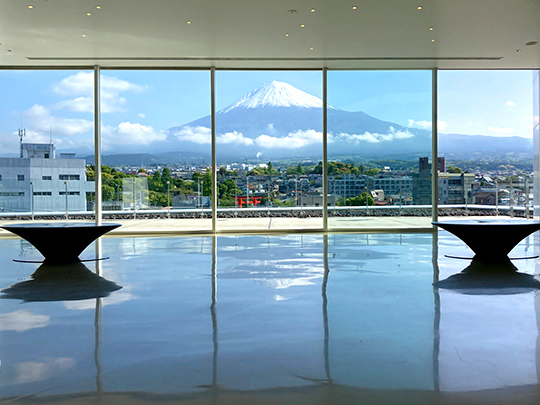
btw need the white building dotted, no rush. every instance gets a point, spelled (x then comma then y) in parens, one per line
(347, 185)
(40, 182)
(393, 185)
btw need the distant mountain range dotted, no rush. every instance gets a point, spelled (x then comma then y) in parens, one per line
(279, 121)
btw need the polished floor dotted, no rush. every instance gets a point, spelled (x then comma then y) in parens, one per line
(295, 319)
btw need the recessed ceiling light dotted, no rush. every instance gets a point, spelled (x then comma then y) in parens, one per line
(84, 35)
(419, 8)
(354, 7)
(312, 10)
(287, 34)
(531, 43)
(432, 40)
(30, 6)
(98, 7)
(89, 13)
(431, 28)
(310, 49)
(188, 22)
(302, 25)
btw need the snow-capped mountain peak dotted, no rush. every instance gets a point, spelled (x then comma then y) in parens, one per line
(276, 94)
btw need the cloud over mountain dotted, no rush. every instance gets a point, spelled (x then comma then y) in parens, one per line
(279, 119)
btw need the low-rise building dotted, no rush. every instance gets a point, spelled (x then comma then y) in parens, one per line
(392, 185)
(456, 188)
(347, 185)
(40, 182)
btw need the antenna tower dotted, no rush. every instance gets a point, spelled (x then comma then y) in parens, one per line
(22, 134)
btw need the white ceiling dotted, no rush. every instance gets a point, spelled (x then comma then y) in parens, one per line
(483, 34)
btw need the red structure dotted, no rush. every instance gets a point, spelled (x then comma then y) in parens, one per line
(243, 200)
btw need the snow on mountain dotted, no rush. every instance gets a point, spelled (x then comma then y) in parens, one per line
(275, 94)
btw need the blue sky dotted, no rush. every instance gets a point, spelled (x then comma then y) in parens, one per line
(139, 106)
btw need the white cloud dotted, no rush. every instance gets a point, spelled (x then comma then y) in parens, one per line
(270, 128)
(117, 297)
(81, 85)
(86, 104)
(79, 104)
(22, 320)
(501, 131)
(201, 135)
(30, 371)
(510, 103)
(371, 137)
(441, 125)
(293, 140)
(133, 134)
(39, 120)
(234, 137)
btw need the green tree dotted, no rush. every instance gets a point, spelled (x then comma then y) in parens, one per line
(222, 171)
(166, 176)
(317, 169)
(373, 171)
(182, 186)
(360, 200)
(159, 199)
(454, 169)
(155, 182)
(107, 192)
(362, 169)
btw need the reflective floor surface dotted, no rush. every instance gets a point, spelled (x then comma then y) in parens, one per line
(296, 319)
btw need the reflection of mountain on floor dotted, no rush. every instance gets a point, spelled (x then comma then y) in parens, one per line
(64, 282)
(490, 278)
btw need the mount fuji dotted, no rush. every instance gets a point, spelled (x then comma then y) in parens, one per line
(279, 120)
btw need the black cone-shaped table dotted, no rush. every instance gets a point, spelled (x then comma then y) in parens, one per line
(60, 242)
(490, 239)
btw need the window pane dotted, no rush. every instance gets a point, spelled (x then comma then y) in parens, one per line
(156, 164)
(485, 137)
(46, 138)
(379, 144)
(269, 149)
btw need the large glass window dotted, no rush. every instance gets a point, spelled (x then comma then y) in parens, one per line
(156, 151)
(156, 146)
(379, 148)
(485, 143)
(269, 149)
(46, 132)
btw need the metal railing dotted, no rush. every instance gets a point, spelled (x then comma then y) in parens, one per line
(392, 210)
